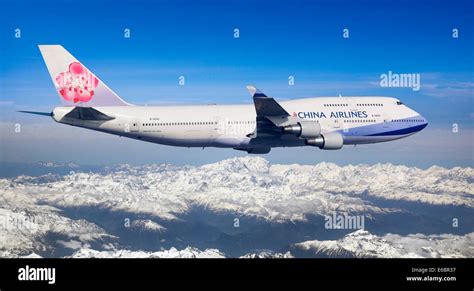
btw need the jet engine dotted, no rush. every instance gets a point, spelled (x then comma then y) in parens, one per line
(304, 129)
(327, 141)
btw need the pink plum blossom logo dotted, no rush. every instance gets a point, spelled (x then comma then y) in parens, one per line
(77, 84)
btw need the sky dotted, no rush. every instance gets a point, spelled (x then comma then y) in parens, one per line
(196, 39)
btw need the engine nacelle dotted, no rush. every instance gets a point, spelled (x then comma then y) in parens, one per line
(304, 129)
(328, 141)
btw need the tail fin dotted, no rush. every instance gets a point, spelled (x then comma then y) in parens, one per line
(76, 85)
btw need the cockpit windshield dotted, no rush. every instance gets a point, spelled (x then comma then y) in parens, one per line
(399, 103)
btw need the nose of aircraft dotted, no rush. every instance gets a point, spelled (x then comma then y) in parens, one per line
(423, 122)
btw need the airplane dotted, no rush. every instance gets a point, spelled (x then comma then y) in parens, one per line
(327, 123)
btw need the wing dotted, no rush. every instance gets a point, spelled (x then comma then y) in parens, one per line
(270, 115)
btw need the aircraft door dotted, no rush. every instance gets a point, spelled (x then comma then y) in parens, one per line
(132, 126)
(386, 121)
(218, 126)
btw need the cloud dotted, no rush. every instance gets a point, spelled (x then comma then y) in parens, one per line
(455, 90)
(6, 103)
(456, 86)
(449, 85)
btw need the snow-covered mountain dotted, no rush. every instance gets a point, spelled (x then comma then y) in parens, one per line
(362, 244)
(188, 252)
(32, 217)
(267, 255)
(359, 244)
(250, 186)
(27, 226)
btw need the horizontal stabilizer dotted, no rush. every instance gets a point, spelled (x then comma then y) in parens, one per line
(37, 113)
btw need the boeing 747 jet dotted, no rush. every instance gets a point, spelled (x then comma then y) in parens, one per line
(326, 122)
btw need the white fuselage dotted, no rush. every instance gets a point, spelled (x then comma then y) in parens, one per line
(359, 120)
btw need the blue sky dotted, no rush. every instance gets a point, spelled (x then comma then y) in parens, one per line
(195, 39)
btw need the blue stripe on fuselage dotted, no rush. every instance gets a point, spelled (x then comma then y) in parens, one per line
(382, 129)
(402, 131)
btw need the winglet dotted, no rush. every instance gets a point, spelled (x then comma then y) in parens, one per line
(255, 92)
(265, 106)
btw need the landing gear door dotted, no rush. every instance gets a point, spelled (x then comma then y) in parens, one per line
(352, 105)
(218, 126)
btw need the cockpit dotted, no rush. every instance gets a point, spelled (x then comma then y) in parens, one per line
(399, 102)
